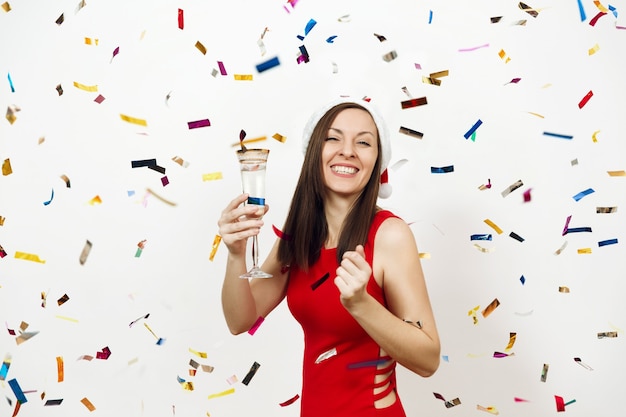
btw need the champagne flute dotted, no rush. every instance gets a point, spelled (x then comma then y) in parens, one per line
(252, 163)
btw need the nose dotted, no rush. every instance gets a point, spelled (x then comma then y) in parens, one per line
(347, 149)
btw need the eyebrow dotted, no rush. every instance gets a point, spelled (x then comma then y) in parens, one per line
(365, 132)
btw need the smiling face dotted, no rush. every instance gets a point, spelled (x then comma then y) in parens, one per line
(349, 152)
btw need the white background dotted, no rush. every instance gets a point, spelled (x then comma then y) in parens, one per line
(160, 76)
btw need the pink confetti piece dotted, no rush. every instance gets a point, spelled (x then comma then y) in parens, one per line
(474, 48)
(104, 354)
(99, 99)
(220, 65)
(199, 123)
(256, 325)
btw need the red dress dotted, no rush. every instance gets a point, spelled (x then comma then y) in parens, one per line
(341, 360)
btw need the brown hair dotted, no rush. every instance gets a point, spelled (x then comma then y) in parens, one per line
(306, 228)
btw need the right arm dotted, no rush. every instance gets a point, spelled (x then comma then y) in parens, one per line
(243, 300)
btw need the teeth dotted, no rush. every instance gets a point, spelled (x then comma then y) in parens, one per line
(344, 170)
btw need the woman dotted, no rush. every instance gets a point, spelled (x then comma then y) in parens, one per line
(350, 271)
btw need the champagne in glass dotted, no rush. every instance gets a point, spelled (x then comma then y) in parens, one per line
(252, 163)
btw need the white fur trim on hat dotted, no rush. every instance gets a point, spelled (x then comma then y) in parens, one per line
(383, 132)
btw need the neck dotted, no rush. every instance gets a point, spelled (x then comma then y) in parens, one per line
(335, 209)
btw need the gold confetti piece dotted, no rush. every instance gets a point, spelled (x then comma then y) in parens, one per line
(168, 202)
(221, 394)
(95, 200)
(606, 209)
(216, 243)
(11, 110)
(503, 56)
(133, 120)
(564, 290)
(594, 136)
(89, 88)
(536, 114)
(243, 77)
(73, 320)
(85, 253)
(621, 173)
(25, 336)
(150, 330)
(483, 249)
(89, 41)
(60, 372)
(212, 176)
(584, 250)
(390, 56)
(6, 6)
(602, 335)
(512, 338)
(251, 140)
(180, 161)
(490, 409)
(64, 299)
(544, 372)
(201, 47)
(600, 6)
(493, 226)
(2, 219)
(517, 184)
(29, 257)
(207, 368)
(88, 404)
(279, 137)
(66, 179)
(490, 308)
(202, 355)
(6, 167)
(594, 49)
(424, 255)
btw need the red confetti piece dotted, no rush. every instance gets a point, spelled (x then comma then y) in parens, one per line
(407, 104)
(290, 401)
(165, 181)
(585, 99)
(181, 19)
(99, 99)
(560, 404)
(527, 195)
(104, 354)
(595, 19)
(280, 234)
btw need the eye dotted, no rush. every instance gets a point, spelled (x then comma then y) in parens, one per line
(331, 138)
(364, 143)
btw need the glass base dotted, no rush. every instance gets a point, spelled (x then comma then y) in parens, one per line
(256, 273)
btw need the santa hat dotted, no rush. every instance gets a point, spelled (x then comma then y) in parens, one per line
(383, 136)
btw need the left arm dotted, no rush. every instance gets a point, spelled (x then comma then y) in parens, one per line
(397, 267)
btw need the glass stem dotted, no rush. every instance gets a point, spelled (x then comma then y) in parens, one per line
(255, 252)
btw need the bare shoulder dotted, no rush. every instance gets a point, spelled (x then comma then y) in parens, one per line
(394, 233)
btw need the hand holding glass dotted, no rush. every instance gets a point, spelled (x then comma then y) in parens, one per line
(252, 163)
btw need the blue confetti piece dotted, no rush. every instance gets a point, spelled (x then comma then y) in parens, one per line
(331, 39)
(473, 129)
(441, 170)
(607, 242)
(270, 63)
(481, 237)
(581, 9)
(558, 135)
(430, 17)
(582, 194)
(577, 230)
(19, 394)
(365, 364)
(308, 28)
(45, 203)
(4, 370)
(522, 280)
(11, 82)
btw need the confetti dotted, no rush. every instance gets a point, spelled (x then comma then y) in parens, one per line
(502, 54)
(10, 115)
(60, 371)
(222, 394)
(558, 135)
(266, 65)
(594, 49)
(517, 184)
(243, 77)
(482, 249)
(564, 290)
(253, 369)
(104, 354)
(472, 130)
(49, 403)
(6, 6)
(493, 226)
(310, 25)
(279, 137)
(199, 123)
(45, 203)
(516, 237)
(200, 47)
(581, 10)
(132, 323)
(290, 401)
(164, 200)
(4, 370)
(585, 99)
(526, 195)
(89, 88)
(528, 9)
(180, 161)
(584, 251)
(85, 252)
(60, 19)
(10, 82)
(485, 186)
(304, 55)
(602, 335)
(133, 120)
(582, 194)
(490, 308)
(480, 237)
(474, 48)
(320, 281)
(621, 173)
(99, 99)
(88, 404)
(181, 19)
(607, 242)
(584, 365)
(448, 404)
(17, 390)
(390, 56)
(604, 210)
(216, 243)
(95, 200)
(6, 167)
(89, 41)
(29, 257)
(597, 17)
(212, 176)
(256, 325)
(411, 132)
(407, 104)
(64, 299)
(442, 170)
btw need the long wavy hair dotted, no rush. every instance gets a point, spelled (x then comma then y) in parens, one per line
(306, 228)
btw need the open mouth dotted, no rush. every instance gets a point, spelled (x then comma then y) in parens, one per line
(342, 169)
